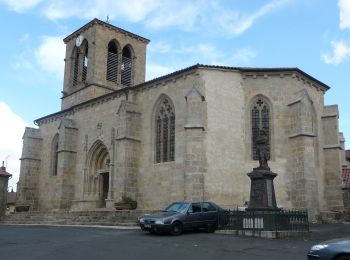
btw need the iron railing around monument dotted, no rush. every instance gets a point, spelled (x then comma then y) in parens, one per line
(279, 220)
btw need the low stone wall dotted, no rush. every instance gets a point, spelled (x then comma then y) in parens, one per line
(103, 217)
(330, 217)
(263, 233)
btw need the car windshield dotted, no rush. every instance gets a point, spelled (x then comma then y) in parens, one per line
(177, 207)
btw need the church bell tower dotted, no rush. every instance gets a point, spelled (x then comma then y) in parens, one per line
(101, 58)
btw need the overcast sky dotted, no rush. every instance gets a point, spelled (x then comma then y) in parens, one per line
(313, 35)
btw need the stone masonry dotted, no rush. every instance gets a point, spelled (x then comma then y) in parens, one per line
(102, 145)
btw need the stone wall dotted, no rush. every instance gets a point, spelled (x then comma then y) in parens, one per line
(96, 84)
(212, 143)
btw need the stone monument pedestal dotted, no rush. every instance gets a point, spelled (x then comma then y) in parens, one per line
(262, 192)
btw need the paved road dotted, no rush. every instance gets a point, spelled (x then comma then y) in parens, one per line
(60, 242)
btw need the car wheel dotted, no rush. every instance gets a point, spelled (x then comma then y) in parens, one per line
(176, 229)
(343, 257)
(210, 228)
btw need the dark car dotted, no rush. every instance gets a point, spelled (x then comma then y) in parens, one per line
(335, 249)
(180, 216)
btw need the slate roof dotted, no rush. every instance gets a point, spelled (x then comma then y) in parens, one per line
(188, 69)
(3, 172)
(110, 26)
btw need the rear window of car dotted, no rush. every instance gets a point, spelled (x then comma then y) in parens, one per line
(177, 207)
(208, 207)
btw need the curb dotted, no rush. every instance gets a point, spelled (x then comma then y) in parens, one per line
(88, 226)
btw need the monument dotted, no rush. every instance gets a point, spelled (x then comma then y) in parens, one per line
(4, 177)
(262, 192)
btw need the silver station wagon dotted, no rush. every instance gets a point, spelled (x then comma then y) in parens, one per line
(180, 216)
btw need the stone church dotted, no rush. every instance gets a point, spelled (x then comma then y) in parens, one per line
(188, 135)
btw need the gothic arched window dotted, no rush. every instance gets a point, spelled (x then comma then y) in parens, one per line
(112, 62)
(126, 66)
(165, 131)
(260, 120)
(54, 155)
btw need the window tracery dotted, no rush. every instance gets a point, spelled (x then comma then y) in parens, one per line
(260, 120)
(165, 132)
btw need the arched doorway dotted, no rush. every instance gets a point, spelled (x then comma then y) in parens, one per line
(97, 184)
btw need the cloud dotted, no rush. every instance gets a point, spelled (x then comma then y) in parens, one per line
(344, 6)
(131, 10)
(341, 51)
(11, 135)
(50, 55)
(236, 23)
(156, 14)
(175, 14)
(243, 57)
(160, 47)
(20, 5)
(154, 71)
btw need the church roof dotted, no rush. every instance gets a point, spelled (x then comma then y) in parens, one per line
(188, 69)
(110, 26)
(241, 69)
(3, 172)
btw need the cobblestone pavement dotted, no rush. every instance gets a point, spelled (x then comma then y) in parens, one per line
(64, 242)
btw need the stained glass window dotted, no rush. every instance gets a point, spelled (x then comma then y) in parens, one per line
(165, 132)
(260, 120)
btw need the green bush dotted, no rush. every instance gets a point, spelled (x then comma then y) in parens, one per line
(127, 199)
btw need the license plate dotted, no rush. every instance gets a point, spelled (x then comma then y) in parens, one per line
(147, 226)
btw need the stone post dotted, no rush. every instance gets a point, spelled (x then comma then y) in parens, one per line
(262, 191)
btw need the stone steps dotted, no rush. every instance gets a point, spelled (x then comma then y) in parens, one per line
(126, 218)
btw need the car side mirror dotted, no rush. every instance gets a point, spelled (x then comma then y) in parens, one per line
(189, 211)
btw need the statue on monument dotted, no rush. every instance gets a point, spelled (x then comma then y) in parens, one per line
(262, 149)
(262, 191)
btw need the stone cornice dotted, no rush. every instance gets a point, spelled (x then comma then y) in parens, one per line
(29, 158)
(190, 127)
(107, 25)
(294, 73)
(334, 146)
(126, 138)
(83, 105)
(302, 135)
(65, 95)
(66, 151)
